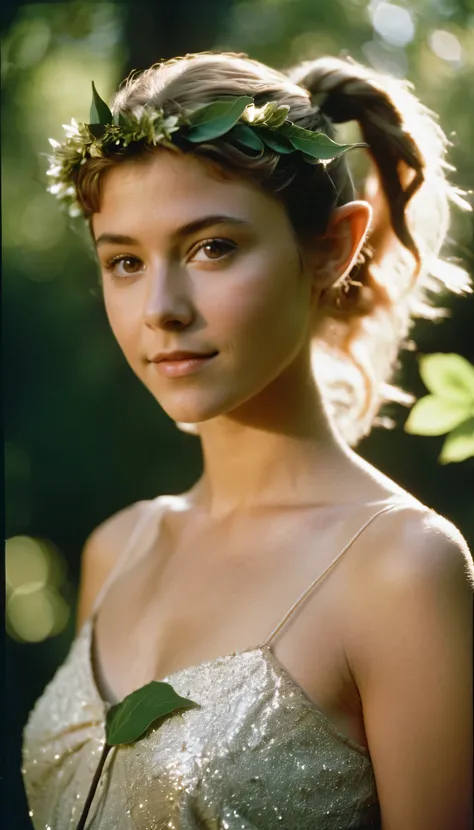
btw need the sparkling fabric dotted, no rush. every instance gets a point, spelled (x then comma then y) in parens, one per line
(256, 755)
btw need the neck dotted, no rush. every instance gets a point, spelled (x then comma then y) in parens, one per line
(277, 449)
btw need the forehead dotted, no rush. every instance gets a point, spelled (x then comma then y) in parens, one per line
(169, 189)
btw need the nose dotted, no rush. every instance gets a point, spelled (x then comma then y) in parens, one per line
(168, 302)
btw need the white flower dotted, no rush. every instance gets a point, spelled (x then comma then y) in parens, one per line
(170, 122)
(71, 129)
(54, 143)
(249, 113)
(262, 115)
(59, 189)
(75, 210)
(54, 170)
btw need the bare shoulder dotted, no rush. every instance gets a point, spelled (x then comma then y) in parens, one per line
(410, 652)
(101, 551)
(410, 549)
(417, 543)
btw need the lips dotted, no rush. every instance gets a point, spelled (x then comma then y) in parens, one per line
(181, 355)
(177, 367)
(178, 356)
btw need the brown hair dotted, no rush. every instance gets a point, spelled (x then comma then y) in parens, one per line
(367, 317)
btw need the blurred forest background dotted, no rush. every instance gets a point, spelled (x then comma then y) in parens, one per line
(83, 438)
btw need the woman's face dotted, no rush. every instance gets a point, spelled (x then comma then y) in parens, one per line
(193, 263)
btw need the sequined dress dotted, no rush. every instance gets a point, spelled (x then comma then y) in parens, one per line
(257, 755)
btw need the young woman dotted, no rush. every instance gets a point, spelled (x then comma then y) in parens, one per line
(317, 612)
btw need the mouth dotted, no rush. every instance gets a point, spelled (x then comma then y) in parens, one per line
(178, 367)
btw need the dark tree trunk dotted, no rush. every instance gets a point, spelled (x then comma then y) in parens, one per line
(154, 31)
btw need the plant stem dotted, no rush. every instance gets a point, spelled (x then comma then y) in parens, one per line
(93, 787)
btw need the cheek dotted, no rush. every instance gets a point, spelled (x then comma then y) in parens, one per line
(268, 296)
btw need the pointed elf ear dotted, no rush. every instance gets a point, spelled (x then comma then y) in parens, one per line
(337, 250)
(348, 228)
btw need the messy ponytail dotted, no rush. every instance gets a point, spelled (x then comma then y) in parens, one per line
(366, 316)
(400, 274)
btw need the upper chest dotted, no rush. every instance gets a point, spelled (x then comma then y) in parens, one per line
(201, 593)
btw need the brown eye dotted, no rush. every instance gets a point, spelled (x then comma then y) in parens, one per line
(215, 249)
(124, 266)
(130, 264)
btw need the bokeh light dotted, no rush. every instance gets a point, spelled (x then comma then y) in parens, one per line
(40, 229)
(35, 612)
(35, 572)
(446, 46)
(25, 562)
(393, 23)
(31, 42)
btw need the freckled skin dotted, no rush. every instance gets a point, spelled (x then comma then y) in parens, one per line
(252, 306)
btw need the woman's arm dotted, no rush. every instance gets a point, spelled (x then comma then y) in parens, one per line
(100, 553)
(413, 667)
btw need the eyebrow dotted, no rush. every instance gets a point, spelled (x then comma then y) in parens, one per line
(179, 233)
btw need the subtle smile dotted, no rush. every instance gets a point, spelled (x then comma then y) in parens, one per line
(180, 366)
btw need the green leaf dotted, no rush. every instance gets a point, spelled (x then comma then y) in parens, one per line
(435, 416)
(246, 136)
(128, 720)
(317, 145)
(448, 375)
(275, 141)
(459, 445)
(213, 120)
(100, 113)
(119, 119)
(271, 114)
(278, 117)
(97, 130)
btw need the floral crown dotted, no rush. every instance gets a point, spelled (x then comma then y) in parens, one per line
(237, 118)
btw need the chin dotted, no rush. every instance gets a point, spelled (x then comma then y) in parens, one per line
(192, 409)
(189, 411)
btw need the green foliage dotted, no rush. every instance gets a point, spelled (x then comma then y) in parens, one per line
(317, 145)
(108, 133)
(215, 119)
(99, 113)
(242, 134)
(271, 115)
(450, 406)
(128, 720)
(278, 143)
(433, 415)
(450, 376)
(459, 444)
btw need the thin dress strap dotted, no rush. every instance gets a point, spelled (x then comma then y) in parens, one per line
(320, 577)
(134, 539)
